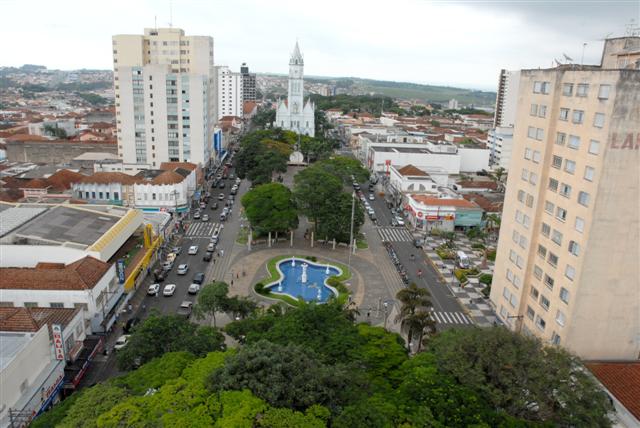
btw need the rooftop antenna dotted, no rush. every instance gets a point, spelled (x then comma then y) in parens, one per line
(584, 45)
(155, 22)
(632, 29)
(170, 14)
(567, 57)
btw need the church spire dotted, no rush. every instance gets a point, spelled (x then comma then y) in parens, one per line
(296, 56)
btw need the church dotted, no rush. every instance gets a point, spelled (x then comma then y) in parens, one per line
(293, 114)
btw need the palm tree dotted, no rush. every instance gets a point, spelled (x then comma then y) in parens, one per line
(419, 323)
(411, 316)
(351, 311)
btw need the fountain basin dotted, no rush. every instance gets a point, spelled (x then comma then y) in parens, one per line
(314, 289)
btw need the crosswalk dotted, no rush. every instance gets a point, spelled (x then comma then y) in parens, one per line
(394, 234)
(450, 317)
(201, 229)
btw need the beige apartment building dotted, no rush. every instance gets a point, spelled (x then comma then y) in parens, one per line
(165, 97)
(568, 262)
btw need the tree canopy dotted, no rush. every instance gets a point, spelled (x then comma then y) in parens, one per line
(264, 152)
(270, 208)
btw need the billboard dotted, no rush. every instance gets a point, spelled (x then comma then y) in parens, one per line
(58, 343)
(120, 270)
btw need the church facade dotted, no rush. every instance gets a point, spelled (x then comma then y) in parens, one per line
(294, 114)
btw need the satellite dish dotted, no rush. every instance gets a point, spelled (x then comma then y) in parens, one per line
(567, 57)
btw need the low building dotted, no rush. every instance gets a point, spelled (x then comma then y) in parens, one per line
(40, 349)
(621, 380)
(21, 148)
(88, 283)
(114, 188)
(426, 212)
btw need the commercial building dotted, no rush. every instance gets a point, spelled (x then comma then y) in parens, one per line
(165, 97)
(230, 92)
(567, 266)
(443, 212)
(500, 137)
(248, 83)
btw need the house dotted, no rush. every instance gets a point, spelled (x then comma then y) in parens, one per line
(621, 380)
(427, 212)
(114, 188)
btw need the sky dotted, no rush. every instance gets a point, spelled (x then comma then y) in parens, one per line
(455, 43)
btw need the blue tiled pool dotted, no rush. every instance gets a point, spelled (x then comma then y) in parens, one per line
(292, 281)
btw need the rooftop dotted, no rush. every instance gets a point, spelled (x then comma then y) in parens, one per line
(12, 344)
(83, 274)
(444, 202)
(622, 379)
(12, 217)
(412, 171)
(32, 319)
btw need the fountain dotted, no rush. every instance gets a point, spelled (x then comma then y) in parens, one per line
(280, 287)
(327, 270)
(303, 278)
(309, 283)
(319, 294)
(293, 262)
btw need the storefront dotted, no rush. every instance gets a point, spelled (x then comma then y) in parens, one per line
(426, 213)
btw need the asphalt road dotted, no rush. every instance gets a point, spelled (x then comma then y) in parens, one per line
(441, 297)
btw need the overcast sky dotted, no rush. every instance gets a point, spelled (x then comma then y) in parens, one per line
(459, 43)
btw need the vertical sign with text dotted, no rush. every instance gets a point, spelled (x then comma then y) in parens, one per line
(58, 343)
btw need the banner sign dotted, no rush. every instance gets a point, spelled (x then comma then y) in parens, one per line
(58, 344)
(120, 270)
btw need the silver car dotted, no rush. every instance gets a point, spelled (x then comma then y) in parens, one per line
(182, 269)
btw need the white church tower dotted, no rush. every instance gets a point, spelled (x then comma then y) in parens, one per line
(294, 114)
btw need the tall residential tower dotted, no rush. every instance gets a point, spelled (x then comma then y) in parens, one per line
(568, 262)
(165, 97)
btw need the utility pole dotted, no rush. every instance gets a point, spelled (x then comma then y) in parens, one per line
(353, 207)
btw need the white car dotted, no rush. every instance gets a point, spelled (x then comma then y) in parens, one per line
(121, 342)
(193, 250)
(169, 289)
(194, 288)
(182, 269)
(153, 289)
(399, 221)
(216, 233)
(211, 247)
(372, 197)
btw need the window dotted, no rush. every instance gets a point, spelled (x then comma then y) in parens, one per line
(30, 304)
(515, 236)
(549, 207)
(574, 142)
(519, 216)
(531, 132)
(564, 114)
(545, 229)
(548, 281)
(536, 156)
(589, 173)
(556, 237)
(526, 221)
(540, 323)
(506, 293)
(561, 138)
(539, 134)
(523, 241)
(525, 174)
(521, 195)
(552, 259)
(533, 179)
(529, 202)
(6, 304)
(598, 120)
(603, 92)
(567, 89)
(594, 147)
(565, 190)
(542, 111)
(570, 272)
(560, 318)
(570, 166)
(56, 305)
(512, 256)
(578, 116)
(574, 248)
(561, 214)
(579, 225)
(583, 198)
(556, 161)
(537, 271)
(542, 251)
(527, 153)
(582, 90)
(564, 295)
(540, 87)
(534, 110)
(534, 293)
(544, 302)
(555, 338)
(84, 306)
(530, 313)
(553, 184)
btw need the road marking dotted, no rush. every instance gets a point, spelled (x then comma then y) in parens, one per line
(394, 234)
(450, 317)
(201, 229)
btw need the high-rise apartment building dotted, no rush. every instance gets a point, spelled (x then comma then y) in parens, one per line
(248, 83)
(230, 92)
(165, 97)
(568, 262)
(500, 138)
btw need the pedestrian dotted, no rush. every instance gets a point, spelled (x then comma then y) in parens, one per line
(232, 282)
(237, 275)
(244, 273)
(221, 252)
(130, 308)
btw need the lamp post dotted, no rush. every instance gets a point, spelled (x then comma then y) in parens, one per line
(353, 207)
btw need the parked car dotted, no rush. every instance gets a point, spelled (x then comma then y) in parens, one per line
(234, 190)
(176, 250)
(372, 197)
(202, 205)
(169, 289)
(205, 217)
(167, 266)
(221, 185)
(394, 221)
(194, 288)
(193, 250)
(214, 206)
(238, 180)
(211, 247)
(223, 216)
(221, 197)
(159, 275)
(153, 289)
(182, 269)
(399, 221)
(207, 256)
(128, 327)
(185, 309)
(121, 342)
(198, 278)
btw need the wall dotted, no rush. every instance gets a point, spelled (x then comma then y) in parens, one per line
(31, 255)
(472, 160)
(144, 196)
(448, 162)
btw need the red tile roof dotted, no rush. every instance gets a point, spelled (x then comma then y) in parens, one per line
(429, 200)
(27, 137)
(101, 125)
(170, 166)
(478, 184)
(83, 274)
(248, 106)
(109, 177)
(32, 319)
(412, 170)
(37, 183)
(622, 380)
(168, 177)
(484, 203)
(62, 179)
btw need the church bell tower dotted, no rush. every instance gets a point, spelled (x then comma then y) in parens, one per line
(296, 85)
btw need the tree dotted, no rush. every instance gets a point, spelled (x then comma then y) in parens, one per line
(499, 173)
(158, 335)
(285, 376)
(211, 299)
(412, 315)
(335, 218)
(412, 298)
(522, 376)
(54, 131)
(270, 208)
(264, 117)
(264, 152)
(315, 192)
(344, 168)
(314, 149)
(419, 322)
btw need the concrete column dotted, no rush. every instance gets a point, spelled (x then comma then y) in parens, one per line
(269, 240)
(291, 233)
(249, 239)
(311, 239)
(334, 243)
